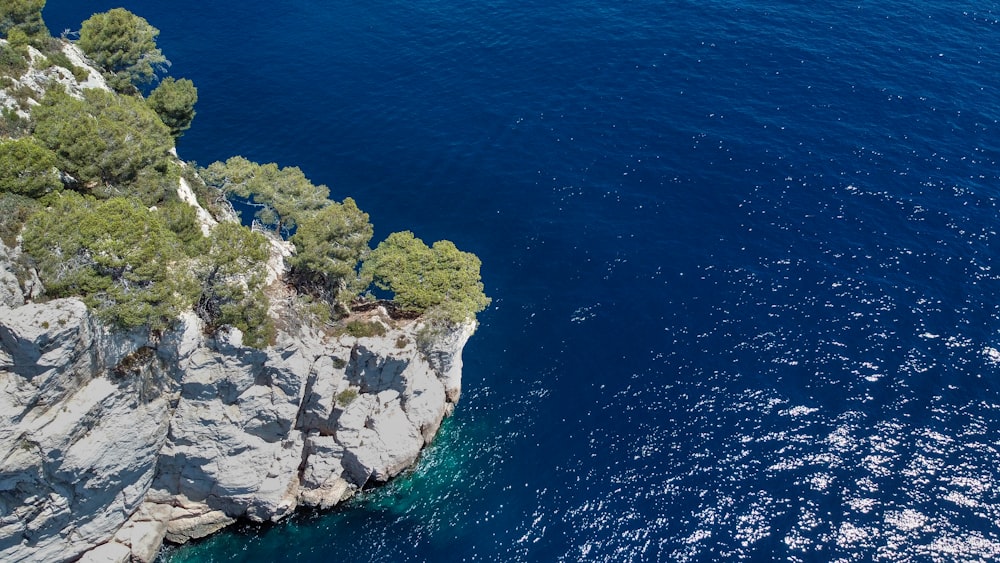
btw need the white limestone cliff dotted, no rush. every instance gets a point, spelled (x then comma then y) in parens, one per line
(111, 443)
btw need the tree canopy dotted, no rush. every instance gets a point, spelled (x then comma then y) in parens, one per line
(23, 15)
(182, 219)
(329, 244)
(284, 195)
(124, 45)
(116, 253)
(231, 274)
(440, 278)
(111, 145)
(173, 100)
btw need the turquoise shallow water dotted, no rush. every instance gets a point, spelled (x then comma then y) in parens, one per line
(742, 255)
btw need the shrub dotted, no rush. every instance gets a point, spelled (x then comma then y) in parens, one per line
(12, 62)
(362, 329)
(320, 310)
(250, 316)
(347, 396)
(231, 277)
(22, 94)
(14, 212)
(59, 58)
(79, 73)
(18, 39)
(182, 220)
(27, 168)
(12, 124)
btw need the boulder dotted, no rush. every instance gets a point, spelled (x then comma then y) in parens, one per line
(144, 532)
(323, 484)
(111, 552)
(192, 520)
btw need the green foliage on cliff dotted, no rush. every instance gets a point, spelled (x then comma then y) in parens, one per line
(330, 238)
(364, 329)
(130, 264)
(231, 274)
(124, 45)
(12, 62)
(14, 211)
(116, 254)
(56, 57)
(111, 145)
(91, 185)
(19, 40)
(346, 397)
(284, 196)
(27, 168)
(182, 220)
(329, 244)
(120, 238)
(174, 100)
(24, 16)
(13, 125)
(441, 278)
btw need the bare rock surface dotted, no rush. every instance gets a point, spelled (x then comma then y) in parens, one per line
(11, 294)
(78, 444)
(110, 441)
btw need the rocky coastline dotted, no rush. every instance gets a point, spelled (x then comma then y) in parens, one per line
(112, 442)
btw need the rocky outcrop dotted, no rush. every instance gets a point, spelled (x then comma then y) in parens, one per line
(17, 283)
(40, 77)
(186, 194)
(78, 442)
(11, 294)
(111, 442)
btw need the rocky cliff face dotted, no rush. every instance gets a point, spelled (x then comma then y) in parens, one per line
(111, 442)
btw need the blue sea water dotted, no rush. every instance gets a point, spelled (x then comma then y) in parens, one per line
(743, 256)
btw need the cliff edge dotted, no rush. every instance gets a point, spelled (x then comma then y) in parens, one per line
(111, 442)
